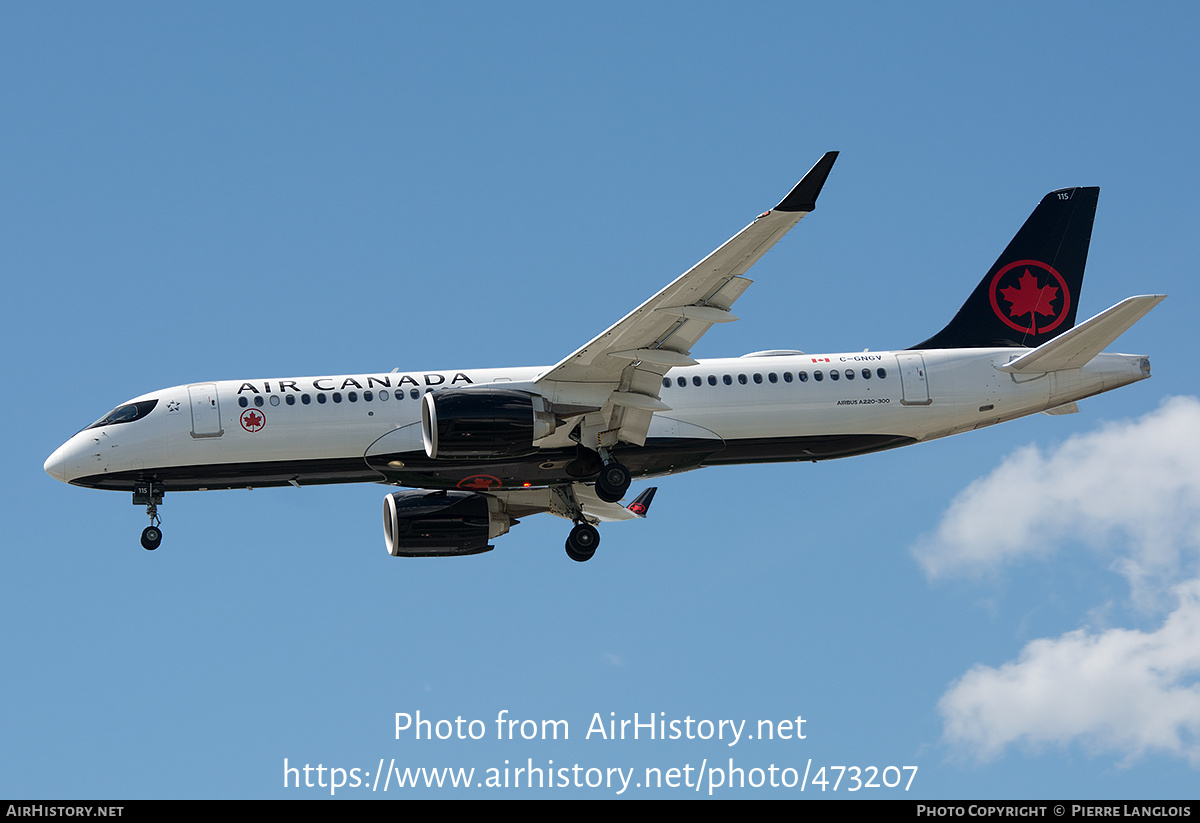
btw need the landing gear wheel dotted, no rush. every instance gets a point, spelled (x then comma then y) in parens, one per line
(582, 542)
(612, 483)
(151, 537)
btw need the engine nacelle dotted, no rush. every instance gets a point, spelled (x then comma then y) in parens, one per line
(483, 423)
(422, 523)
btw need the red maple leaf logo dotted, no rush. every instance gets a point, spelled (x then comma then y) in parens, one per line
(479, 482)
(252, 421)
(1030, 299)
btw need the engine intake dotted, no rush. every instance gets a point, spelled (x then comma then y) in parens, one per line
(422, 523)
(475, 423)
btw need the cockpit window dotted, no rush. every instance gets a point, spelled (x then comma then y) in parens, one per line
(125, 414)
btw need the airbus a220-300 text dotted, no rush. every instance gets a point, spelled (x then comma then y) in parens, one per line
(478, 449)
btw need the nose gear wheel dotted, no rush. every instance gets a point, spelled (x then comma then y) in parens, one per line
(151, 537)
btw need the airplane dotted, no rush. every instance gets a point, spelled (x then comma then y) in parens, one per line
(478, 449)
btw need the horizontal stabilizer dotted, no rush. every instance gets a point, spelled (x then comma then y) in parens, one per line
(1073, 349)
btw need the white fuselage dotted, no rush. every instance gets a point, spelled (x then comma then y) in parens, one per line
(242, 433)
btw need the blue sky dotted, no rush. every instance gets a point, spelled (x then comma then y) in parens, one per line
(215, 191)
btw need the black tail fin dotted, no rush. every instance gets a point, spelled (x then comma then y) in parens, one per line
(1031, 293)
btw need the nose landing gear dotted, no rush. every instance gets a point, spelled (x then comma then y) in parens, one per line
(144, 494)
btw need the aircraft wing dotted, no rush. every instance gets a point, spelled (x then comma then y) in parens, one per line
(528, 502)
(622, 368)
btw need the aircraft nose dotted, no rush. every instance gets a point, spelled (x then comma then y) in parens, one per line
(56, 464)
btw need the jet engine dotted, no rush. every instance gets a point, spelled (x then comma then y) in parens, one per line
(483, 423)
(423, 523)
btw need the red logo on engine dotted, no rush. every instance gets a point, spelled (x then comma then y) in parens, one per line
(480, 482)
(253, 420)
(1030, 296)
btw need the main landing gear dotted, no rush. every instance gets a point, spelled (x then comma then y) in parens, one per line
(582, 542)
(584, 537)
(144, 494)
(613, 481)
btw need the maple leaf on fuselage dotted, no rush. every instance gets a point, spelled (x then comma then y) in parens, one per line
(1030, 299)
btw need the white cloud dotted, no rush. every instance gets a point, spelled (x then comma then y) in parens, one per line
(1127, 691)
(1133, 487)
(1134, 479)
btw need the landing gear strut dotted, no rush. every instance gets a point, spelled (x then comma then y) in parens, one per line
(582, 542)
(144, 494)
(584, 537)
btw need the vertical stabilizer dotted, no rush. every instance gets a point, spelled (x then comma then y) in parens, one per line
(1031, 293)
